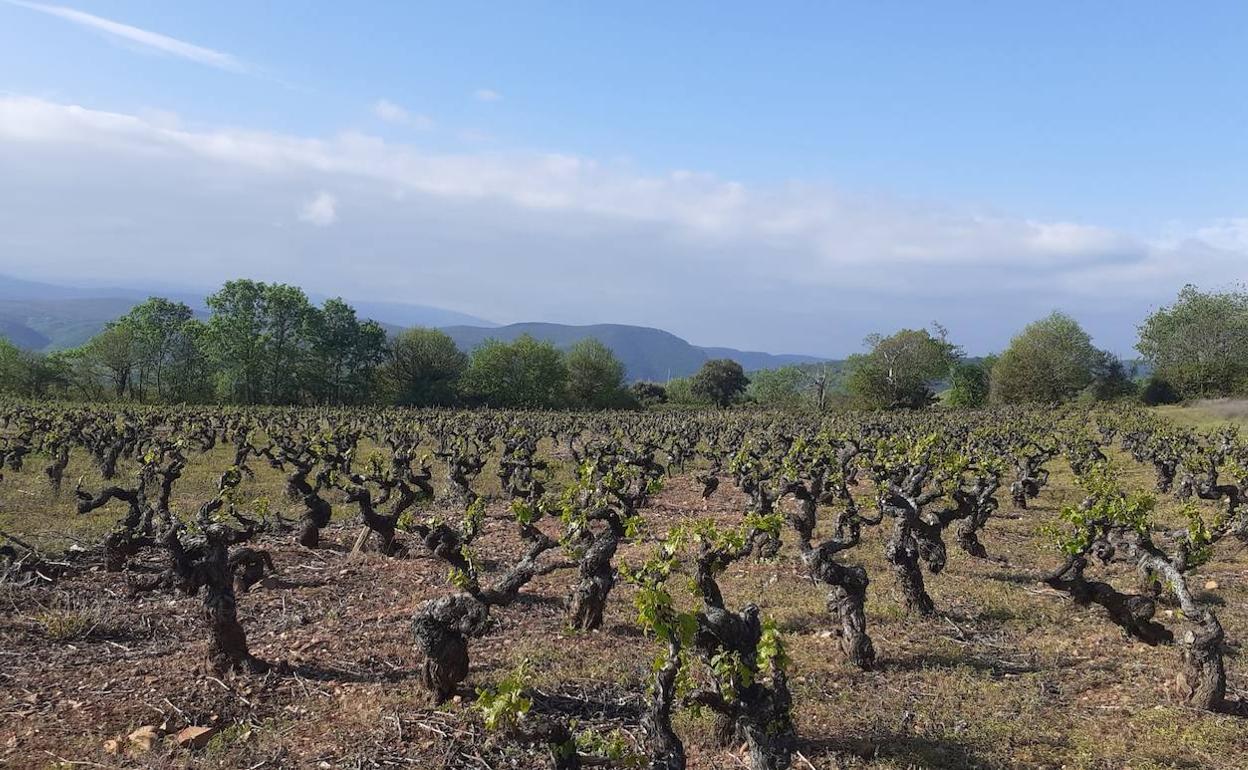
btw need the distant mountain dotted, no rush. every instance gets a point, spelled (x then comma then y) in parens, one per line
(55, 324)
(402, 315)
(45, 317)
(647, 354)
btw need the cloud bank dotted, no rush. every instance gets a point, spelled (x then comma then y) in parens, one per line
(547, 236)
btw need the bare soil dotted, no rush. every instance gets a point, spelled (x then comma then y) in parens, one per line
(1011, 675)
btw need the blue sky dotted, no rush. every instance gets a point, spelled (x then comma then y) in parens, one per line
(787, 176)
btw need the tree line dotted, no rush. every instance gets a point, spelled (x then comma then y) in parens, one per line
(1196, 347)
(267, 343)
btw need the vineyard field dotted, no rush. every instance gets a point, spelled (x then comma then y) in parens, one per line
(112, 645)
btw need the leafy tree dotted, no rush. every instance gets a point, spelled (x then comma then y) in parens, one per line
(30, 375)
(115, 351)
(424, 368)
(1158, 391)
(778, 388)
(679, 390)
(647, 394)
(595, 376)
(969, 383)
(720, 381)
(1052, 359)
(526, 373)
(234, 339)
(898, 371)
(13, 366)
(344, 355)
(1110, 379)
(159, 328)
(189, 379)
(1199, 345)
(260, 339)
(288, 335)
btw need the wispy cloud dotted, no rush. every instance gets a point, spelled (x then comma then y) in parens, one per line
(321, 211)
(393, 113)
(142, 37)
(486, 95)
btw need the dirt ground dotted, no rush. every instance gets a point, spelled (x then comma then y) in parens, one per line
(1011, 675)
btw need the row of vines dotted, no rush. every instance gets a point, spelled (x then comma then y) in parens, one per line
(577, 489)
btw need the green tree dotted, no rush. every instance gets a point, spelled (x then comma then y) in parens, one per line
(679, 390)
(969, 383)
(779, 388)
(158, 326)
(288, 338)
(1110, 379)
(1052, 359)
(424, 369)
(344, 354)
(235, 342)
(647, 394)
(595, 376)
(115, 351)
(13, 365)
(190, 371)
(526, 373)
(30, 375)
(1199, 344)
(720, 381)
(260, 339)
(899, 370)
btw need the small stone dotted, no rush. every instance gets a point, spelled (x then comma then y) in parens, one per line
(1211, 585)
(195, 737)
(144, 738)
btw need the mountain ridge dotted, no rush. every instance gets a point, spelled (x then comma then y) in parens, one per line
(46, 317)
(647, 353)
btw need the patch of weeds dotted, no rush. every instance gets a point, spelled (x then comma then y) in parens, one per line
(68, 619)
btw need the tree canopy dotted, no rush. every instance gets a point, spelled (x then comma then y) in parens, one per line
(781, 388)
(969, 383)
(526, 373)
(1052, 359)
(423, 369)
(720, 381)
(1199, 344)
(899, 370)
(595, 376)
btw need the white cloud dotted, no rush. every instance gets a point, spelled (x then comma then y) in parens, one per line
(321, 211)
(552, 236)
(150, 40)
(487, 95)
(392, 113)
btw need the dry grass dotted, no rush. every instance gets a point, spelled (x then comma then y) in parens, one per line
(1209, 413)
(68, 618)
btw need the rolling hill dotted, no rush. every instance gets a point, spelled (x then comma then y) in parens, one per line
(647, 354)
(45, 317)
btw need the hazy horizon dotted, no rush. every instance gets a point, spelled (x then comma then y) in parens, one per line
(741, 177)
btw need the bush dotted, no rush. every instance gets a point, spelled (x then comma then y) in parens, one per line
(1158, 391)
